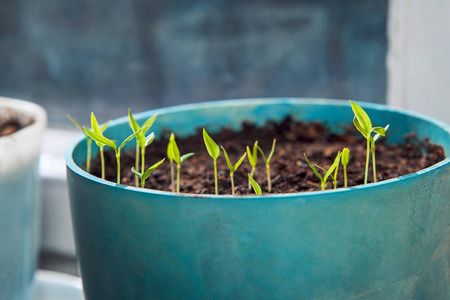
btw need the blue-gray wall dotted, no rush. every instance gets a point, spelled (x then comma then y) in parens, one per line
(91, 55)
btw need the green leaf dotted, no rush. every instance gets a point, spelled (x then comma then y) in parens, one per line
(362, 119)
(380, 132)
(149, 123)
(170, 154)
(230, 165)
(173, 150)
(151, 169)
(128, 139)
(140, 137)
(211, 146)
(136, 172)
(314, 169)
(253, 155)
(272, 150)
(345, 156)
(105, 126)
(239, 162)
(98, 138)
(333, 166)
(255, 185)
(149, 139)
(75, 122)
(186, 156)
(94, 124)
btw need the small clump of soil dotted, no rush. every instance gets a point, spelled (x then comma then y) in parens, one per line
(9, 126)
(289, 170)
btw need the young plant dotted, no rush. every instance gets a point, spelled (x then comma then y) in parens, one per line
(99, 130)
(253, 159)
(174, 155)
(170, 157)
(88, 140)
(233, 168)
(373, 140)
(144, 175)
(336, 169)
(142, 141)
(255, 185)
(323, 179)
(363, 123)
(267, 161)
(345, 157)
(214, 152)
(105, 141)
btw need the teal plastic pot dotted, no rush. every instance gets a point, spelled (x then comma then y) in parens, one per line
(389, 240)
(19, 195)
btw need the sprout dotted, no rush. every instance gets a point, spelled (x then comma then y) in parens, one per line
(143, 176)
(142, 141)
(255, 185)
(323, 179)
(214, 152)
(170, 157)
(105, 141)
(174, 155)
(345, 157)
(267, 161)
(88, 140)
(379, 132)
(336, 169)
(253, 159)
(233, 168)
(99, 130)
(363, 123)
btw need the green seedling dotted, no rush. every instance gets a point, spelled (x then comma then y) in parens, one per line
(253, 159)
(174, 155)
(267, 161)
(99, 130)
(170, 157)
(255, 185)
(214, 152)
(232, 167)
(105, 141)
(88, 140)
(363, 123)
(336, 169)
(345, 157)
(144, 175)
(323, 179)
(142, 141)
(373, 140)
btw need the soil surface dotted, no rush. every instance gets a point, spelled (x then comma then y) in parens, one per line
(9, 126)
(289, 169)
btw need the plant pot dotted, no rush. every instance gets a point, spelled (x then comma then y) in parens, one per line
(19, 194)
(388, 240)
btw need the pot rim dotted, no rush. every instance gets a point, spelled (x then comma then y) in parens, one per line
(70, 164)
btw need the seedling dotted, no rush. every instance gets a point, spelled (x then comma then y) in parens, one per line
(105, 141)
(253, 159)
(323, 179)
(214, 152)
(267, 161)
(363, 123)
(373, 140)
(88, 140)
(144, 175)
(336, 169)
(174, 155)
(170, 157)
(255, 185)
(233, 168)
(345, 157)
(99, 130)
(142, 141)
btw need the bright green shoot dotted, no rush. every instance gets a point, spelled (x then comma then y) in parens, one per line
(214, 152)
(99, 130)
(345, 157)
(379, 132)
(88, 140)
(144, 175)
(173, 154)
(363, 123)
(142, 141)
(255, 185)
(336, 169)
(170, 157)
(232, 167)
(105, 141)
(253, 159)
(267, 161)
(323, 179)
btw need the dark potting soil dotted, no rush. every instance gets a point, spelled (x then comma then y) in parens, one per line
(9, 126)
(289, 171)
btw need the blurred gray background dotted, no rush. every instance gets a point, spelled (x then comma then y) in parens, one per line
(74, 57)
